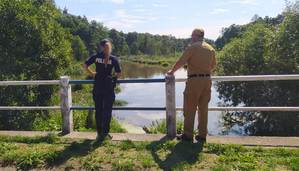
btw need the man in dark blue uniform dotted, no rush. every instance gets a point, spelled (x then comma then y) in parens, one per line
(103, 90)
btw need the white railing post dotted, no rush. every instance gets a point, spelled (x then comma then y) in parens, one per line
(65, 104)
(170, 106)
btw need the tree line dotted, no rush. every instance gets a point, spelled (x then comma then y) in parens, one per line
(88, 34)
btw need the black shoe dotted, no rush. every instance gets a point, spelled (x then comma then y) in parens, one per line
(103, 136)
(183, 137)
(200, 139)
(108, 137)
(100, 137)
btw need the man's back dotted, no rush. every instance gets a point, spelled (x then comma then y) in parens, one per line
(202, 58)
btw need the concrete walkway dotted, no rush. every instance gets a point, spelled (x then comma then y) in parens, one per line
(241, 140)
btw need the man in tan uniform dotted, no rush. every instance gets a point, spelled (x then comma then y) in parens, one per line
(201, 62)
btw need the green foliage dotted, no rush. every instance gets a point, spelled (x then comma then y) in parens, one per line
(50, 138)
(229, 33)
(263, 49)
(79, 49)
(123, 165)
(32, 157)
(33, 47)
(164, 61)
(132, 43)
(159, 127)
(236, 31)
(126, 145)
(115, 127)
(119, 42)
(90, 32)
(93, 162)
(7, 147)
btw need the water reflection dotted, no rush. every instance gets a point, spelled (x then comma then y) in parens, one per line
(153, 95)
(135, 70)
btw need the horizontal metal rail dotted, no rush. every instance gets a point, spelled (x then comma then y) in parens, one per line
(122, 108)
(249, 109)
(41, 82)
(214, 78)
(252, 109)
(162, 80)
(29, 108)
(250, 78)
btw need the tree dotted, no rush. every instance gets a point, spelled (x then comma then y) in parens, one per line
(120, 45)
(263, 49)
(91, 33)
(228, 34)
(33, 47)
(79, 50)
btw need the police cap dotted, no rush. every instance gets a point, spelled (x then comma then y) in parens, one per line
(104, 41)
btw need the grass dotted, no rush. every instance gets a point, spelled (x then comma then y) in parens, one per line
(52, 152)
(159, 127)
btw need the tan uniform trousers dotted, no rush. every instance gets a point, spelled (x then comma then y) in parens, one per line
(197, 94)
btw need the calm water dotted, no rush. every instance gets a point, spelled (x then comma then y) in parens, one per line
(153, 95)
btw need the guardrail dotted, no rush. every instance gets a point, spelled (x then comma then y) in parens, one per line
(66, 107)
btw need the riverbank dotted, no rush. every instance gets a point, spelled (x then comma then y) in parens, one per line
(52, 152)
(164, 61)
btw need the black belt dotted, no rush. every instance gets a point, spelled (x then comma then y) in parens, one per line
(198, 75)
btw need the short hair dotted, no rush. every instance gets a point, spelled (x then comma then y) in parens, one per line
(199, 31)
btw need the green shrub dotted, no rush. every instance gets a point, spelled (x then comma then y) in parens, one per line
(159, 127)
(123, 165)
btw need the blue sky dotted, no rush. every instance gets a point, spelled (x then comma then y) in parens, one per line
(172, 17)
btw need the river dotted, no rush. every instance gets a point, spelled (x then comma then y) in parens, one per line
(153, 95)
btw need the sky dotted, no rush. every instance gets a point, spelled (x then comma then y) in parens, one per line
(172, 17)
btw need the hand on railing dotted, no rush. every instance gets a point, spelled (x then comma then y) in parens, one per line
(170, 72)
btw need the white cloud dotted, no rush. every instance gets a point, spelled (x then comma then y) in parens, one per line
(96, 1)
(160, 5)
(183, 32)
(211, 31)
(123, 20)
(99, 18)
(219, 11)
(244, 2)
(139, 10)
(118, 1)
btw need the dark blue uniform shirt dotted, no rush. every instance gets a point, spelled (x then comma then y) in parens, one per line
(101, 68)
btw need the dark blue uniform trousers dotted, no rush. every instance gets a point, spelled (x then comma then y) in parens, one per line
(103, 97)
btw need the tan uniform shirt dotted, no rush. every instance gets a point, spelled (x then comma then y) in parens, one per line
(200, 58)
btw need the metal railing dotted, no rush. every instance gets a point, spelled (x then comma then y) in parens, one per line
(66, 106)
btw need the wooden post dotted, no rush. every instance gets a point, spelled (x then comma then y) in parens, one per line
(65, 104)
(170, 106)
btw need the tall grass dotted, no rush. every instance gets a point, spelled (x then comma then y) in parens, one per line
(159, 127)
